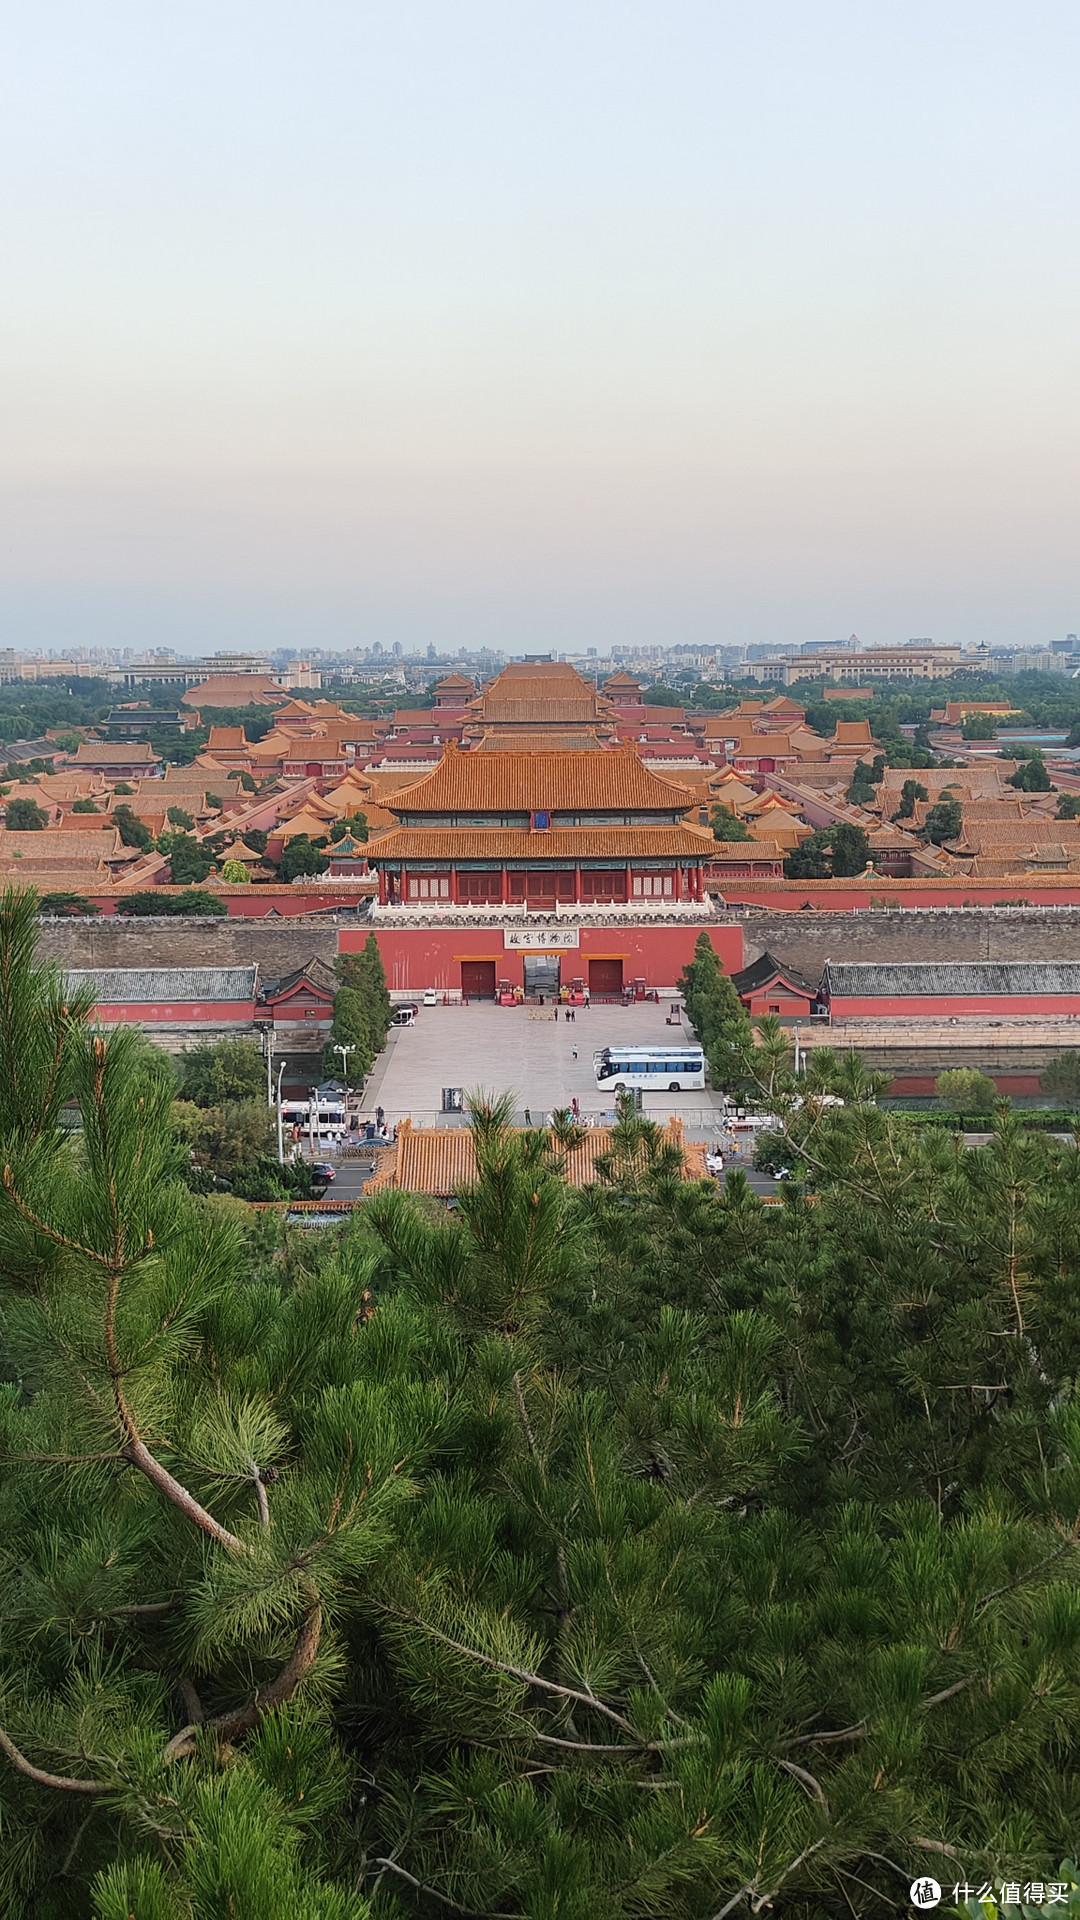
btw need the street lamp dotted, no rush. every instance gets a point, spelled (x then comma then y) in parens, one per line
(280, 1130)
(340, 1047)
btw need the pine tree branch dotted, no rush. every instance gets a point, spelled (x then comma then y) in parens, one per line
(764, 1900)
(139, 1453)
(263, 1502)
(146, 1606)
(453, 1906)
(588, 1746)
(61, 1459)
(227, 1727)
(861, 1727)
(140, 1456)
(1071, 1540)
(24, 1766)
(515, 1673)
(523, 1415)
(42, 1226)
(813, 1787)
(135, 1451)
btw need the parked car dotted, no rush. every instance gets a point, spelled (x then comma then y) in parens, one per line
(431, 996)
(322, 1170)
(404, 1016)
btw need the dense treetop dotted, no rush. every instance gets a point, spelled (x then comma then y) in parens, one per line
(573, 1556)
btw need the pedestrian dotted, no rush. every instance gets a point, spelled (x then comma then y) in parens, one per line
(380, 1117)
(556, 1013)
(574, 1108)
(573, 1052)
(573, 1013)
(585, 998)
(528, 1118)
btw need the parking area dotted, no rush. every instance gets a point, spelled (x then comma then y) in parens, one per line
(544, 1062)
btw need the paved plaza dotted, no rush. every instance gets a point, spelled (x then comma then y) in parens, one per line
(527, 1051)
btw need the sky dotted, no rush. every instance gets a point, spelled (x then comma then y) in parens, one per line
(528, 326)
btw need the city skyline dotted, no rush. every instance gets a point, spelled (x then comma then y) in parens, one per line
(593, 329)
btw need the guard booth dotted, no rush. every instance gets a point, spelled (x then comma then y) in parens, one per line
(453, 1099)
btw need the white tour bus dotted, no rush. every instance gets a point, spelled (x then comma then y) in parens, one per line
(667, 1069)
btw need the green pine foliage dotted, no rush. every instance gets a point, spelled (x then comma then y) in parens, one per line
(362, 1011)
(716, 1013)
(638, 1551)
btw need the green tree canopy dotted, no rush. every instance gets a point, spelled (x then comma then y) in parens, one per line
(838, 851)
(226, 1070)
(715, 1012)
(25, 816)
(911, 791)
(180, 817)
(300, 857)
(944, 820)
(189, 863)
(1032, 775)
(72, 903)
(590, 1554)
(727, 825)
(133, 831)
(1062, 1077)
(355, 825)
(966, 1090)
(850, 850)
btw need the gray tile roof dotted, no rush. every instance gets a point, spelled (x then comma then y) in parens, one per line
(887, 980)
(157, 986)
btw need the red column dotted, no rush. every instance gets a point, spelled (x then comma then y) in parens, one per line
(678, 883)
(577, 886)
(628, 894)
(382, 886)
(453, 887)
(502, 887)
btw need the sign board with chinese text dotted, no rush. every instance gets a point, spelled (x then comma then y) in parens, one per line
(543, 940)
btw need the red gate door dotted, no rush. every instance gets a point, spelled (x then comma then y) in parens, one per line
(478, 979)
(605, 979)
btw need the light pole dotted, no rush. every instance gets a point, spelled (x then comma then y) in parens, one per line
(313, 1106)
(340, 1047)
(795, 1035)
(280, 1129)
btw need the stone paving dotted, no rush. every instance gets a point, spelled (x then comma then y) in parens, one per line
(526, 1050)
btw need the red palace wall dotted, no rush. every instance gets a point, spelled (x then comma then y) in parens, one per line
(419, 957)
(214, 1013)
(995, 1006)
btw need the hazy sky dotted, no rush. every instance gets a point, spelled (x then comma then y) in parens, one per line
(538, 324)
